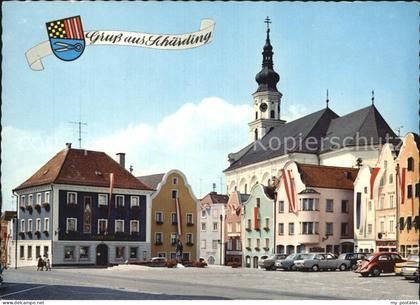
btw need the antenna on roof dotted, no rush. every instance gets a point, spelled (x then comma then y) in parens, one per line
(398, 129)
(373, 97)
(328, 100)
(80, 123)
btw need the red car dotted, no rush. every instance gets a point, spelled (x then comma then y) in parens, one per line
(380, 262)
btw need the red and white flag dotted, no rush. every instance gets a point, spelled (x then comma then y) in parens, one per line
(111, 188)
(373, 176)
(178, 216)
(293, 193)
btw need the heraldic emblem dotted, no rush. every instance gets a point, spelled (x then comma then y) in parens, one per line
(66, 38)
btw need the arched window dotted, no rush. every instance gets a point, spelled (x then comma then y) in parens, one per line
(256, 134)
(410, 164)
(272, 114)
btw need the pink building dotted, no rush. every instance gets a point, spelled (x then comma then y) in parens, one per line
(315, 209)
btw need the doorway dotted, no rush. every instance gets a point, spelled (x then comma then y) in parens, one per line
(102, 255)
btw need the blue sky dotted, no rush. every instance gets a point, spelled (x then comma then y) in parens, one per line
(188, 109)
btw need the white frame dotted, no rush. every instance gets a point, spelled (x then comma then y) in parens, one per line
(131, 226)
(214, 242)
(22, 226)
(174, 234)
(38, 198)
(68, 198)
(249, 242)
(30, 199)
(30, 226)
(201, 244)
(67, 224)
(29, 252)
(156, 214)
(326, 205)
(99, 200)
(279, 231)
(161, 237)
(88, 253)
(293, 226)
(116, 200)
(238, 227)
(205, 226)
(115, 225)
(177, 194)
(192, 218)
(46, 224)
(22, 200)
(205, 213)
(175, 180)
(172, 218)
(38, 228)
(326, 229)
(123, 252)
(64, 253)
(47, 195)
(217, 226)
(131, 201)
(267, 242)
(22, 253)
(106, 224)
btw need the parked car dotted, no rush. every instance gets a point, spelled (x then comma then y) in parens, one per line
(261, 261)
(380, 262)
(321, 261)
(289, 262)
(363, 259)
(157, 262)
(411, 271)
(353, 258)
(272, 262)
(410, 259)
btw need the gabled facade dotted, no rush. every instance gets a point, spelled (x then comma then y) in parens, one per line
(174, 210)
(234, 228)
(314, 209)
(408, 193)
(212, 217)
(83, 208)
(258, 223)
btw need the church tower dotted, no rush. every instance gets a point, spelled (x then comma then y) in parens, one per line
(267, 98)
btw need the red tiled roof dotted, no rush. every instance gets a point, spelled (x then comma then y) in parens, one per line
(83, 167)
(328, 176)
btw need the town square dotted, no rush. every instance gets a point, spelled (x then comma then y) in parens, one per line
(210, 151)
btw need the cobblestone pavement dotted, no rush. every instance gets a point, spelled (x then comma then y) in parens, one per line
(143, 283)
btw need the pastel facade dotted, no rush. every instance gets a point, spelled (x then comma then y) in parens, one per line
(212, 227)
(408, 195)
(7, 222)
(234, 228)
(314, 209)
(258, 222)
(170, 188)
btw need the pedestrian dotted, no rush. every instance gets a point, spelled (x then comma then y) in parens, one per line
(40, 264)
(47, 264)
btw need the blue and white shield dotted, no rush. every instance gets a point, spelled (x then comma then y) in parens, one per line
(66, 38)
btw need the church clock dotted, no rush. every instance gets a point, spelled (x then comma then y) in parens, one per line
(263, 107)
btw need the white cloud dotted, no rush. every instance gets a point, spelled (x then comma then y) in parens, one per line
(195, 139)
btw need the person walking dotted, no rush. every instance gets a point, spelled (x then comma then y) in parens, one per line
(40, 264)
(47, 264)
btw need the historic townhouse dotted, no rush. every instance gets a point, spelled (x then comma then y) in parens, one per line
(174, 215)
(212, 215)
(315, 209)
(83, 208)
(258, 222)
(408, 192)
(7, 221)
(383, 181)
(234, 228)
(321, 138)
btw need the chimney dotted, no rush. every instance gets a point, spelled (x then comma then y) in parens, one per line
(121, 159)
(68, 145)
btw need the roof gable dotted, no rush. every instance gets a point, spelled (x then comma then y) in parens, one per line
(151, 181)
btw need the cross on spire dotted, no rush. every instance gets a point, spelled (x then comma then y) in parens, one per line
(373, 97)
(267, 21)
(328, 100)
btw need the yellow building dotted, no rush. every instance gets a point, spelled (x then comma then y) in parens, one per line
(408, 192)
(172, 193)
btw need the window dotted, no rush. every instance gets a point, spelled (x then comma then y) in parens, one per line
(249, 224)
(102, 199)
(214, 244)
(391, 178)
(203, 244)
(174, 219)
(381, 203)
(119, 226)
(229, 227)
(119, 201)
(84, 253)
(38, 225)
(71, 198)
(22, 200)
(267, 222)
(281, 206)
(189, 219)
(29, 225)
(258, 243)
(46, 224)
(370, 205)
(402, 223)
(215, 213)
(391, 226)
(329, 205)
(329, 228)
(281, 228)
(409, 191)
(381, 181)
(369, 229)
(410, 164)
(38, 198)
(37, 251)
(134, 226)
(22, 225)
(174, 237)
(71, 225)
(382, 226)
(47, 197)
(238, 227)
(173, 256)
(272, 114)
(417, 190)
(134, 201)
(391, 201)
(30, 252)
(291, 228)
(248, 243)
(175, 180)
(203, 213)
(344, 229)
(174, 194)
(189, 239)
(119, 253)
(307, 228)
(344, 206)
(133, 252)
(102, 226)
(22, 252)
(203, 226)
(365, 190)
(238, 245)
(162, 254)
(267, 243)
(215, 226)
(30, 200)
(158, 238)
(69, 253)
(230, 244)
(46, 250)
(159, 217)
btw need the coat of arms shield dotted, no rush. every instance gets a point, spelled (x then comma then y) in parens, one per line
(66, 38)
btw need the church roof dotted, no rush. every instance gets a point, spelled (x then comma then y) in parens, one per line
(217, 198)
(83, 167)
(151, 181)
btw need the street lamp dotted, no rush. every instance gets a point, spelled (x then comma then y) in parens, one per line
(221, 238)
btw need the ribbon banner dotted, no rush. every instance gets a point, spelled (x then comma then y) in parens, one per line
(133, 39)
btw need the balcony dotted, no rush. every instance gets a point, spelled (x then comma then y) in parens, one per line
(38, 234)
(38, 207)
(159, 222)
(190, 224)
(46, 206)
(308, 238)
(29, 208)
